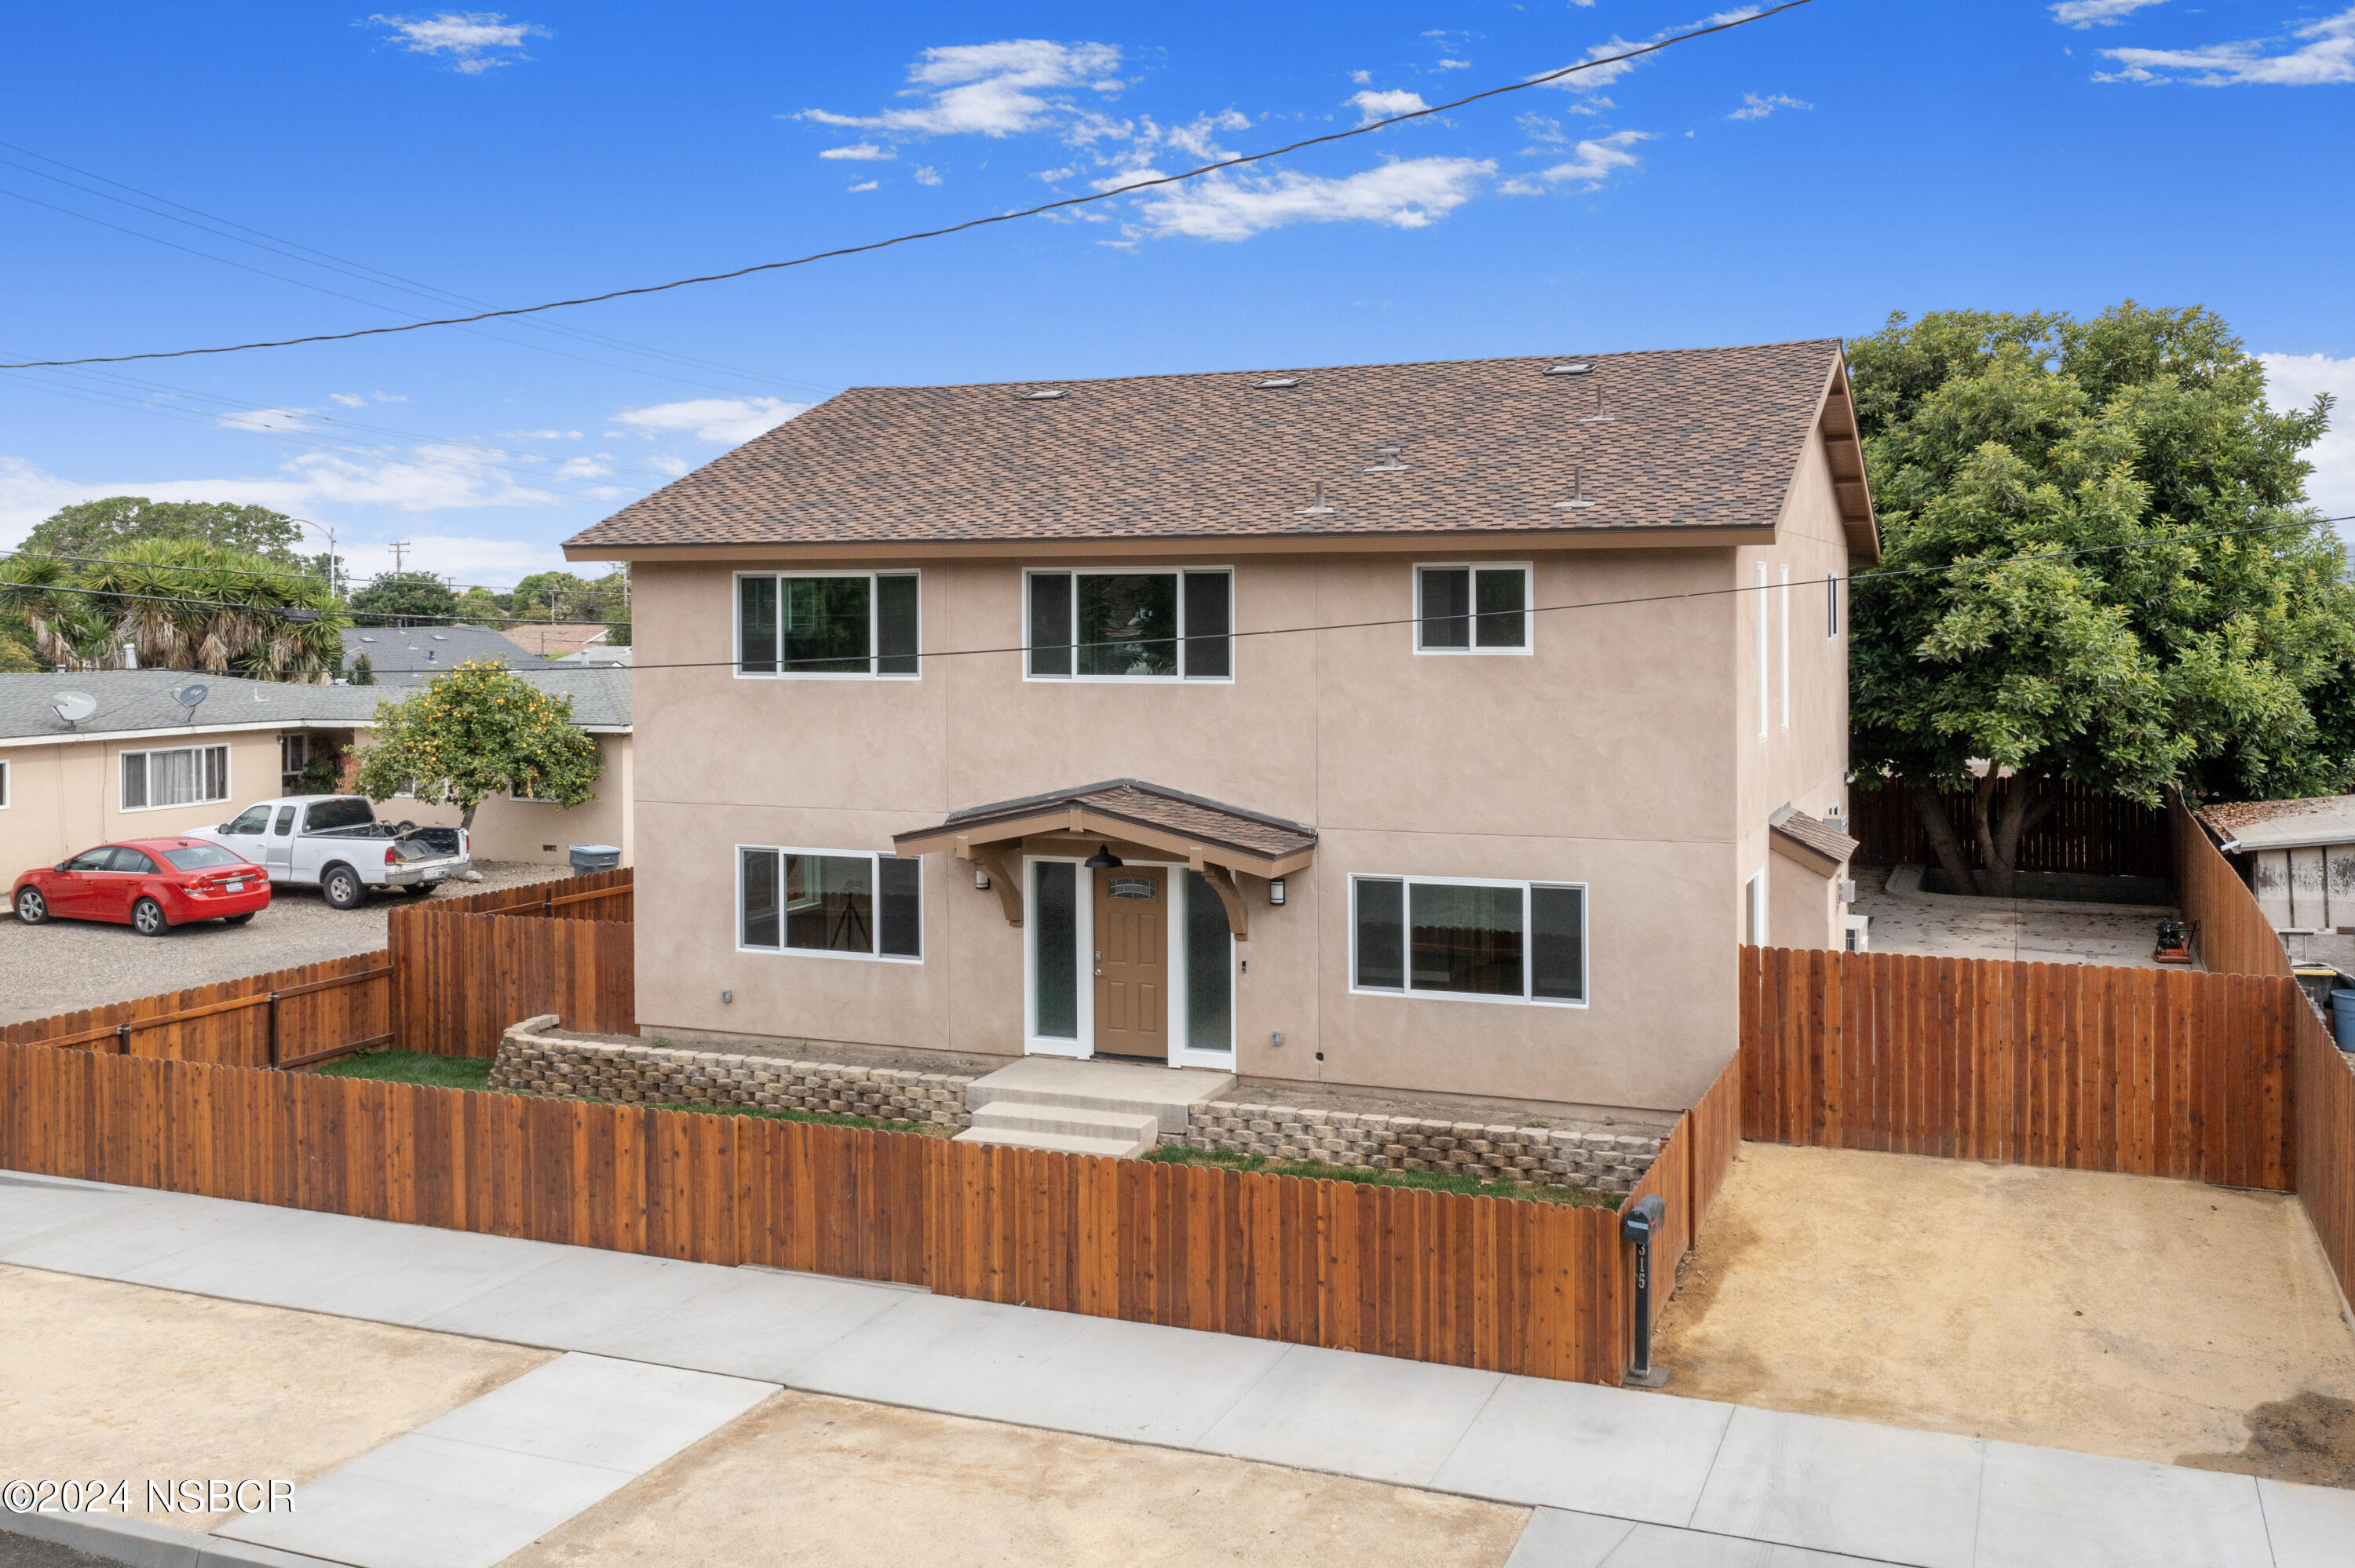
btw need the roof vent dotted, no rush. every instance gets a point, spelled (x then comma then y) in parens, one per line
(1598, 417)
(1273, 382)
(1578, 367)
(1043, 396)
(1578, 491)
(1389, 463)
(441, 637)
(1317, 508)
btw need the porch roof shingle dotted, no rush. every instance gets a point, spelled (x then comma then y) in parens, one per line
(1251, 840)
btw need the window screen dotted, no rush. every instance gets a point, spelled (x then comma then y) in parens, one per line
(1208, 622)
(900, 932)
(1382, 934)
(1050, 623)
(895, 625)
(756, 610)
(1558, 944)
(759, 902)
(1446, 606)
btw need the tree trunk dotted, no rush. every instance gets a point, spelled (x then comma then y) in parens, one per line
(466, 818)
(2026, 803)
(1930, 810)
(1983, 799)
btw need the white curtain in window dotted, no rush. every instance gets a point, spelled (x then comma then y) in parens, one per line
(174, 777)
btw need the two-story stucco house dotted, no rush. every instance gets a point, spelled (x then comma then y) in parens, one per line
(1430, 727)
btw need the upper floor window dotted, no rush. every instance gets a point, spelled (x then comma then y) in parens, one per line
(1132, 625)
(826, 623)
(181, 776)
(1472, 609)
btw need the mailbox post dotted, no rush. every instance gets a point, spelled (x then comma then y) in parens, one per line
(1639, 1225)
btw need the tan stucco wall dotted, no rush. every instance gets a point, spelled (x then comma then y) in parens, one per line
(523, 830)
(65, 797)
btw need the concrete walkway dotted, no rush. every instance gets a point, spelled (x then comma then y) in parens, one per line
(1617, 1477)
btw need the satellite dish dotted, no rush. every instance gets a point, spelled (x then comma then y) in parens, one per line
(189, 696)
(74, 706)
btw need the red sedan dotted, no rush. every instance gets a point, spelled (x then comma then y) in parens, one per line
(149, 885)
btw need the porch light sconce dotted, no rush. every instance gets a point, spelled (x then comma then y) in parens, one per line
(980, 880)
(1103, 860)
(1275, 891)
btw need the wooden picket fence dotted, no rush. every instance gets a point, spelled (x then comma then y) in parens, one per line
(2084, 1067)
(1693, 1163)
(2234, 936)
(2088, 832)
(288, 1018)
(462, 979)
(597, 895)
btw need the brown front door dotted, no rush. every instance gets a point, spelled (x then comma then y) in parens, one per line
(1132, 962)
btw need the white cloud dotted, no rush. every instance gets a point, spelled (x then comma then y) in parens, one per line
(728, 421)
(1372, 106)
(1409, 194)
(928, 175)
(596, 467)
(1603, 76)
(863, 185)
(348, 399)
(2326, 55)
(541, 434)
(466, 38)
(1453, 65)
(2293, 381)
(990, 90)
(263, 420)
(1361, 77)
(1756, 108)
(860, 152)
(387, 396)
(2084, 14)
(1595, 162)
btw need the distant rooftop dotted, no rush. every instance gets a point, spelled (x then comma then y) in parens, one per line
(2283, 824)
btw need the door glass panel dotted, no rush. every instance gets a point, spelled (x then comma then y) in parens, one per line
(1050, 623)
(825, 626)
(1056, 921)
(1558, 944)
(903, 897)
(1128, 624)
(760, 899)
(830, 903)
(756, 613)
(1446, 604)
(1210, 968)
(1467, 939)
(1504, 606)
(1382, 934)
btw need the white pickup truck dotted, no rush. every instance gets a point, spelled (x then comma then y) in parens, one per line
(334, 843)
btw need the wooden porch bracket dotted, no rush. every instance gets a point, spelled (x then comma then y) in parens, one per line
(1223, 882)
(991, 858)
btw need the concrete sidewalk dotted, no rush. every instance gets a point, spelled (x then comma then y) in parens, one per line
(1620, 1477)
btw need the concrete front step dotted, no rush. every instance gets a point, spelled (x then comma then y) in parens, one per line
(1013, 1116)
(1165, 1093)
(1067, 1143)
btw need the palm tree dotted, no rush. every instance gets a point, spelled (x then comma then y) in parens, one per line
(178, 604)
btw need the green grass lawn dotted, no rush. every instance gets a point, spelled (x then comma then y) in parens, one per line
(1437, 1181)
(474, 1073)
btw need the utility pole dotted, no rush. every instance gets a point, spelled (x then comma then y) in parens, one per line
(397, 548)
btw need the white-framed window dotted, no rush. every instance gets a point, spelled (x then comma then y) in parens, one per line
(845, 903)
(175, 776)
(1764, 669)
(827, 625)
(1831, 604)
(1469, 938)
(293, 757)
(1784, 593)
(3, 783)
(1472, 609)
(1754, 910)
(1129, 623)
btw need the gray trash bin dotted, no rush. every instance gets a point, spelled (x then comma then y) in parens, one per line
(2342, 1018)
(595, 857)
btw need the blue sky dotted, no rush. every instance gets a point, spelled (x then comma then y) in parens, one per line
(1801, 177)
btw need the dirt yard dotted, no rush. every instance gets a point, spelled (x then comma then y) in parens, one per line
(2119, 1315)
(872, 1484)
(101, 1380)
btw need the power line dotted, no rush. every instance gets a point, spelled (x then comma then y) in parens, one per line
(2153, 543)
(1130, 189)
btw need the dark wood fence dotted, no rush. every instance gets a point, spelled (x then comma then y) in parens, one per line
(2085, 1066)
(288, 1018)
(1485, 1282)
(2235, 936)
(2088, 831)
(461, 980)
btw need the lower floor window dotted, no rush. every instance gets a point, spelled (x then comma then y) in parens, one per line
(1512, 942)
(848, 902)
(182, 776)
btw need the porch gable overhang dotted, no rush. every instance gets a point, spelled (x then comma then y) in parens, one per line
(1818, 845)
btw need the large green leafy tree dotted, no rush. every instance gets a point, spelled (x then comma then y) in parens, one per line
(177, 604)
(393, 598)
(101, 527)
(2075, 477)
(474, 733)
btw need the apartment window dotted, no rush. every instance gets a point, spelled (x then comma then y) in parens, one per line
(847, 903)
(1472, 609)
(3, 784)
(293, 757)
(522, 792)
(1831, 605)
(1497, 941)
(826, 624)
(182, 776)
(1131, 625)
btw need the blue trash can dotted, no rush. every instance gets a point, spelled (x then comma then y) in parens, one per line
(2342, 1018)
(608, 857)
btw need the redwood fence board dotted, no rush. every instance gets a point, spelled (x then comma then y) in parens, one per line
(463, 978)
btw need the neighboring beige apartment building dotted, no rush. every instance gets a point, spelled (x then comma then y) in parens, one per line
(1436, 727)
(142, 766)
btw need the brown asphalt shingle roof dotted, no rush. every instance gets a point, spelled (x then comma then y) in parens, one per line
(1696, 439)
(1150, 805)
(1813, 834)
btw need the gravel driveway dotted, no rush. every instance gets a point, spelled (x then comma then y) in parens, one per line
(70, 964)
